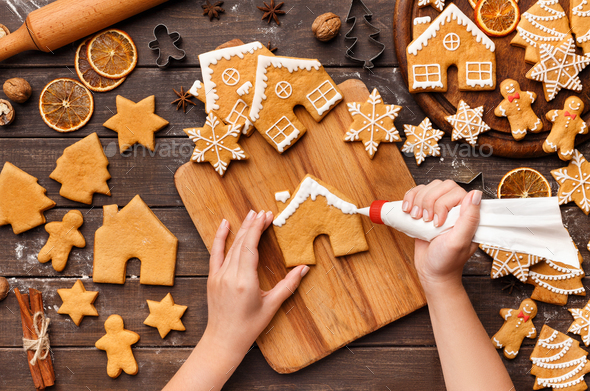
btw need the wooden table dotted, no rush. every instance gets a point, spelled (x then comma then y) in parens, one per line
(401, 356)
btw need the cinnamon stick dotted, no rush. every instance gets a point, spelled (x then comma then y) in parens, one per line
(46, 366)
(27, 322)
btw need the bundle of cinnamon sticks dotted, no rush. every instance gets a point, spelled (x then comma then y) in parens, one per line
(42, 371)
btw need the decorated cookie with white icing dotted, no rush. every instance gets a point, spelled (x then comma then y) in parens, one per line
(373, 123)
(510, 262)
(580, 22)
(280, 84)
(574, 182)
(450, 39)
(518, 325)
(467, 123)
(516, 106)
(316, 208)
(567, 124)
(422, 140)
(581, 323)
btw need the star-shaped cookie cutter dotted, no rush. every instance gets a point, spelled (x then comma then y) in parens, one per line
(163, 59)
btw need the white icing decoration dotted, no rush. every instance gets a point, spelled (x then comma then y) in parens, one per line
(282, 196)
(194, 90)
(484, 68)
(427, 83)
(438, 4)
(451, 13)
(531, 333)
(236, 113)
(537, 279)
(244, 88)
(519, 131)
(283, 89)
(509, 314)
(514, 263)
(498, 344)
(373, 122)
(323, 95)
(426, 143)
(502, 111)
(581, 324)
(532, 96)
(578, 182)
(422, 20)
(451, 42)
(558, 61)
(230, 76)
(310, 188)
(292, 65)
(211, 58)
(216, 142)
(467, 123)
(288, 136)
(554, 36)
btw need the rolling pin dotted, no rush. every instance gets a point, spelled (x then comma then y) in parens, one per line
(65, 21)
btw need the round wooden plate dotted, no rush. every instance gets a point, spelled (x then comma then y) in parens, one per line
(509, 64)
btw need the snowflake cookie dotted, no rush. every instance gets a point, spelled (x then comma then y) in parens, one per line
(373, 123)
(558, 68)
(518, 325)
(216, 143)
(516, 106)
(439, 5)
(574, 182)
(510, 262)
(581, 323)
(567, 123)
(422, 140)
(467, 123)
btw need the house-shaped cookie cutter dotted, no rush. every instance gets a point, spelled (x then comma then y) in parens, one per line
(163, 59)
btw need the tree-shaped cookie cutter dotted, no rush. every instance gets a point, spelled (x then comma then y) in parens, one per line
(163, 59)
(367, 63)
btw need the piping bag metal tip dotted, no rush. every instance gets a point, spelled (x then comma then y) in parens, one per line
(364, 211)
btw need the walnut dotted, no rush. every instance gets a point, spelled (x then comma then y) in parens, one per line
(17, 89)
(4, 288)
(4, 31)
(6, 112)
(326, 26)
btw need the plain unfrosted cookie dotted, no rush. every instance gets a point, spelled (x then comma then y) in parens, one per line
(574, 182)
(581, 323)
(422, 140)
(22, 199)
(516, 106)
(136, 122)
(216, 143)
(373, 123)
(316, 208)
(63, 235)
(518, 325)
(567, 124)
(77, 302)
(82, 170)
(117, 343)
(134, 232)
(467, 123)
(165, 315)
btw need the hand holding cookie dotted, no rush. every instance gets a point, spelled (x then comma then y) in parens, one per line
(442, 260)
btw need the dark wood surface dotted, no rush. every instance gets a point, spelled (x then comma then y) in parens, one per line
(509, 64)
(400, 356)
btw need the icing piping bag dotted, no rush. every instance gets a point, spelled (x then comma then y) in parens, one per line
(527, 225)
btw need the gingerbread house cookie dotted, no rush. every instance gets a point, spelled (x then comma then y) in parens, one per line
(451, 39)
(516, 106)
(580, 21)
(314, 209)
(283, 83)
(228, 82)
(518, 325)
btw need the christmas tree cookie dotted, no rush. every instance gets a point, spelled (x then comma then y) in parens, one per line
(581, 323)
(518, 325)
(580, 21)
(63, 235)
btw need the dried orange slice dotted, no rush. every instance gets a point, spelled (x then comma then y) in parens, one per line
(523, 182)
(66, 105)
(112, 54)
(497, 18)
(88, 75)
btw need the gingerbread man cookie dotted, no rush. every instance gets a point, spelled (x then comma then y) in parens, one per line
(567, 123)
(117, 343)
(518, 324)
(516, 106)
(62, 237)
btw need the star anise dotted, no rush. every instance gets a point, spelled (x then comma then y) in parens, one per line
(212, 10)
(272, 11)
(511, 283)
(270, 48)
(184, 99)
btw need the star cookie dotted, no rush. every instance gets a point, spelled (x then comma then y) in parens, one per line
(510, 262)
(574, 182)
(422, 140)
(438, 5)
(136, 122)
(581, 323)
(467, 123)
(373, 123)
(558, 68)
(77, 302)
(216, 143)
(165, 315)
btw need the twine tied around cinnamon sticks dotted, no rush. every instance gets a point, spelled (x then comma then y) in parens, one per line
(40, 344)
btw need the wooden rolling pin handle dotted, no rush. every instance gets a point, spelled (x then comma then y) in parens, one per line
(16, 42)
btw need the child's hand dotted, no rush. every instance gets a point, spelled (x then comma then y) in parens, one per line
(442, 260)
(238, 309)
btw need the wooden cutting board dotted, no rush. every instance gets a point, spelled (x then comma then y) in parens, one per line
(509, 64)
(340, 299)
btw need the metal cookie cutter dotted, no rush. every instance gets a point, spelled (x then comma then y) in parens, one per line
(164, 56)
(356, 6)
